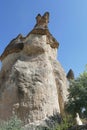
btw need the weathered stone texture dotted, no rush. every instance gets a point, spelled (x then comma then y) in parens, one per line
(32, 83)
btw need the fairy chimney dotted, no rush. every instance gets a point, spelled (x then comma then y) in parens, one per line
(33, 83)
(70, 75)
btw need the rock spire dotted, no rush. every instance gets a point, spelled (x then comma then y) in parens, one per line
(70, 74)
(33, 83)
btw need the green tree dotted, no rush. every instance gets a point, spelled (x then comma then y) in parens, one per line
(77, 99)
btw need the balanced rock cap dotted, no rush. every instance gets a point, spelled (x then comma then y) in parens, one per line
(41, 28)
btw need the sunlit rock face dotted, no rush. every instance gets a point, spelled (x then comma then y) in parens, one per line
(33, 84)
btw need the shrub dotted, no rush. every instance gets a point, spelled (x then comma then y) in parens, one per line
(66, 123)
(13, 124)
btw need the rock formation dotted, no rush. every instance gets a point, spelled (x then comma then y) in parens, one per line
(33, 83)
(78, 120)
(70, 75)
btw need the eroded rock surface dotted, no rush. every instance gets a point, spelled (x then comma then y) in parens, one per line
(33, 83)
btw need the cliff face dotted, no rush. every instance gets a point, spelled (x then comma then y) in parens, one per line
(32, 83)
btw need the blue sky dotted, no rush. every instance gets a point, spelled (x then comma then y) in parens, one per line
(68, 24)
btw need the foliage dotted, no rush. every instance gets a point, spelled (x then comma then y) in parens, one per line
(77, 99)
(13, 124)
(65, 124)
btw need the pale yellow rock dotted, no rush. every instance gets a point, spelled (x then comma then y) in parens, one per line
(78, 120)
(32, 82)
(33, 76)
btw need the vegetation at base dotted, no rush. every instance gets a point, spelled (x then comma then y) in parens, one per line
(65, 124)
(77, 99)
(13, 124)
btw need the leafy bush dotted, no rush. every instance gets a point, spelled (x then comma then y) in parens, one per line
(13, 124)
(65, 124)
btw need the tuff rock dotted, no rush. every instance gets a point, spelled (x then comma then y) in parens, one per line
(33, 83)
(70, 75)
